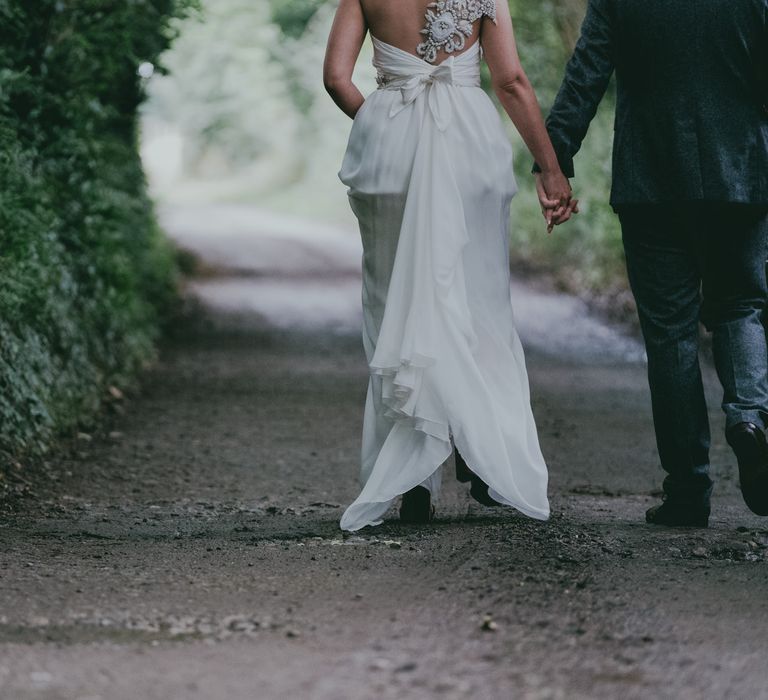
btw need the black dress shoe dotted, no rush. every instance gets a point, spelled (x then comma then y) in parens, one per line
(749, 445)
(416, 506)
(463, 472)
(674, 512)
(479, 489)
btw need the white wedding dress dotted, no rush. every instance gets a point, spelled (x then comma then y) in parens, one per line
(429, 172)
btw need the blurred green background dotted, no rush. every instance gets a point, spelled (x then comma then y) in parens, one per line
(243, 116)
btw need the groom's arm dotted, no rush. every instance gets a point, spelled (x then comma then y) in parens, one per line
(586, 79)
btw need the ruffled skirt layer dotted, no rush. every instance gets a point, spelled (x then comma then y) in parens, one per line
(445, 359)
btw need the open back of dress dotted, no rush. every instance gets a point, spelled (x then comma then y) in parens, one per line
(430, 178)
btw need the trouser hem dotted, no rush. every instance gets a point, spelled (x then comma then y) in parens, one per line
(734, 416)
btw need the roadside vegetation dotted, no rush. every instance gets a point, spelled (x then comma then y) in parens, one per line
(85, 275)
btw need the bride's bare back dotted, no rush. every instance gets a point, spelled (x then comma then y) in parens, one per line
(432, 30)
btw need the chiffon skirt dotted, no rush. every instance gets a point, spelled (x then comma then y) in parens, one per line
(429, 174)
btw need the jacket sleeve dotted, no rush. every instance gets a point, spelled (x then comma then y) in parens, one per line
(586, 79)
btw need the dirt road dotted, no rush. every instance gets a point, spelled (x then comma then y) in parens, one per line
(190, 549)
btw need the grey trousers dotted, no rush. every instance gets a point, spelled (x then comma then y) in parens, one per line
(686, 264)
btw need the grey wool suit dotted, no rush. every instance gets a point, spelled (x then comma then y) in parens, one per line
(690, 185)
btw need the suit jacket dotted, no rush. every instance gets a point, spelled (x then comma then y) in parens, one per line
(692, 96)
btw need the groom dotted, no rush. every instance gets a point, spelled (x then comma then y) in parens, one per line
(690, 186)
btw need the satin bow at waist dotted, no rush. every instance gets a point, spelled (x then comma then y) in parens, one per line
(412, 76)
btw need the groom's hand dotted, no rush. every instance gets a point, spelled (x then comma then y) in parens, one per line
(555, 198)
(570, 210)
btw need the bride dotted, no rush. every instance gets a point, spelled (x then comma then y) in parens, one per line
(429, 174)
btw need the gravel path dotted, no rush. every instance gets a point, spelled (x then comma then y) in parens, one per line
(189, 548)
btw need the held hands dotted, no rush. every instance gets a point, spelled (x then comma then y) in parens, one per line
(556, 198)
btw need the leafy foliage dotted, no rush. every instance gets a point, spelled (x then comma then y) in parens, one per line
(84, 273)
(293, 16)
(586, 253)
(226, 92)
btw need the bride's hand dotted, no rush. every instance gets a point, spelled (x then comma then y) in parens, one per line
(555, 198)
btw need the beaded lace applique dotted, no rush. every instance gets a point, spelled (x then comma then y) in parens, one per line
(449, 22)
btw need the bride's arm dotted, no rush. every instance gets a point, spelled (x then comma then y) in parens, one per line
(514, 90)
(344, 42)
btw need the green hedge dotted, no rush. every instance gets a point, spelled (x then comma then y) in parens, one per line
(85, 275)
